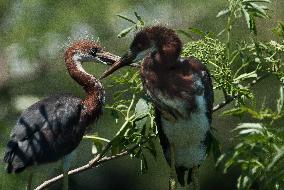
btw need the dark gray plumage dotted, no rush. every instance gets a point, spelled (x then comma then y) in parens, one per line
(45, 132)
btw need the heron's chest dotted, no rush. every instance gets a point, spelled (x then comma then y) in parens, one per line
(192, 127)
(187, 134)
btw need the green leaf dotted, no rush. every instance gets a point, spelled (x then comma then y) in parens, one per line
(234, 111)
(126, 18)
(239, 111)
(245, 76)
(144, 164)
(260, 10)
(279, 30)
(219, 160)
(228, 164)
(243, 182)
(197, 31)
(250, 132)
(139, 18)
(249, 20)
(277, 158)
(184, 33)
(94, 149)
(141, 111)
(141, 108)
(96, 138)
(221, 32)
(124, 32)
(257, 126)
(280, 101)
(97, 147)
(223, 13)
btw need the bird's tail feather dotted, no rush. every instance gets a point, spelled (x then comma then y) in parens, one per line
(14, 157)
(9, 155)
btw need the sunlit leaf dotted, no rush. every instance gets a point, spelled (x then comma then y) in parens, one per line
(260, 10)
(144, 164)
(197, 31)
(223, 13)
(277, 158)
(126, 18)
(139, 18)
(124, 32)
(184, 33)
(280, 101)
(279, 30)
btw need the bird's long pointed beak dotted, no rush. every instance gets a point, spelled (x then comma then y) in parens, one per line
(125, 60)
(107, 58)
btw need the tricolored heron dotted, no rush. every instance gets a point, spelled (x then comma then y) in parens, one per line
(181, 90)
(53, 127)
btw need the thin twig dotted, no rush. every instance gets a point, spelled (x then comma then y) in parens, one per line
(224, 103)
(95, 162)
(229, 99)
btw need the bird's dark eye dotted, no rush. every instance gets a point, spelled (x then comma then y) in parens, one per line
(93, 51)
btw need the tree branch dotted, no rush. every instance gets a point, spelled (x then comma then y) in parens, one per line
(95, 162)
(229, 99)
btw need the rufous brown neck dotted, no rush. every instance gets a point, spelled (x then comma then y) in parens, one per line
(91, 85)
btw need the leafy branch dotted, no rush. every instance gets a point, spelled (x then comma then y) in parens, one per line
(260, 152)
(136, 25)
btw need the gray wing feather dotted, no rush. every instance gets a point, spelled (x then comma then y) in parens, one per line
(44, 132)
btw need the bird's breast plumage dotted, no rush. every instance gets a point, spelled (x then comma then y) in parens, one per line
(181, 97)
(185, 129)
(187, 134)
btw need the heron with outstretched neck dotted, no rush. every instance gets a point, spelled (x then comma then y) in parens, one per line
(53, 127)
(182, 93)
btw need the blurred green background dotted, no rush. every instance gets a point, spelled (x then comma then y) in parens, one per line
(33, 36)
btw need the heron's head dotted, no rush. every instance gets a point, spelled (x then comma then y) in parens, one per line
(87, 51)
(149, 40)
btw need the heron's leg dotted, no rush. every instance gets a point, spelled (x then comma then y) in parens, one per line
(65, 167)
(30, 179)
(186, 177)
(195, 180)
(173, 175)
(67, 159)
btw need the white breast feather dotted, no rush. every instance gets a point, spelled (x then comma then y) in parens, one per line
(187, 134)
